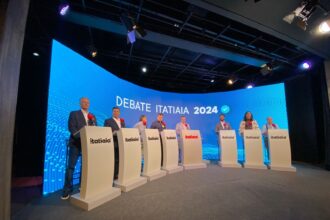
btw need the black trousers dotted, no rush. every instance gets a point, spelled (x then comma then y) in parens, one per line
(74, 153)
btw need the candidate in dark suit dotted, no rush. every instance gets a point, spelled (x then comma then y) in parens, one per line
(115, 123)
(222, 125)
(160, 125)
(77, 120)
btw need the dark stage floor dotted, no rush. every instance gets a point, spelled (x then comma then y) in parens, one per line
(211, 193)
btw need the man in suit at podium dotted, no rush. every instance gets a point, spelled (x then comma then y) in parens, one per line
(182, 125)
(264, 131)
(77, 120)
(159, 123)
(115, 123)
(222, 125)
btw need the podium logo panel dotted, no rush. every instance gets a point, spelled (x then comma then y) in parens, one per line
(228, 137)
(153, 138)
(278, 137)
(132, 139)
(191, 137)
(252, 137)
(99, 140)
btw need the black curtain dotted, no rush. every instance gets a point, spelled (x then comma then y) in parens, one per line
(309, 116)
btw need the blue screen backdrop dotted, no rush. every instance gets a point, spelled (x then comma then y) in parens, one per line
(72, 76)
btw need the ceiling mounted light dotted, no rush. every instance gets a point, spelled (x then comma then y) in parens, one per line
(144, 69)
(266, 69)
(249, 86)
(306, 65)
(132, 27)
(92, 51)
(324, 27)
(302, 13)
(64, 8)
(231, 81)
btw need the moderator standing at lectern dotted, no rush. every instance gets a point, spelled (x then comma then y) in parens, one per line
(115, 123)
(77, 120)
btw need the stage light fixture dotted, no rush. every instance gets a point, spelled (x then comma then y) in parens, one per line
(212, 80)
(132, 27)
(249, 86)
(64, 8)
(231, 81)
(94, 53)
(306, 65)
(302, 13)
(266, 68)
(324, 27)
(92, 50)
(144, 69)
(35, 54)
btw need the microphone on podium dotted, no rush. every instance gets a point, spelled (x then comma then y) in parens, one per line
(91, 120)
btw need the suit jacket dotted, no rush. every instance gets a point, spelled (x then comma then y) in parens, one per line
(179, 127)
(267, 126)
(242, 126)
(140, 126)
(157, 125)
(75, 123)
(110, 122)
(219, 127)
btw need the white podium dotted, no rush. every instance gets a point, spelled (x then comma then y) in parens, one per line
(170, 152)
(97, 168)
(152, 155)
(192, 150)
(228, 148)
(253, 149)
(280, 150)
(129, 175)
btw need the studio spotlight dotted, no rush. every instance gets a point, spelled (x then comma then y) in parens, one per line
(64, 8)
(144, 69)
(231, 81)
(92, 51)
(132, 27)
(302, 13)
(212, 81)
(249, 86)
(306, 65)
(35, 54)
(324, 27)
(266, 68)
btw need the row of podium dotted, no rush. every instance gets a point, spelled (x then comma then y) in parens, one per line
(98, 187)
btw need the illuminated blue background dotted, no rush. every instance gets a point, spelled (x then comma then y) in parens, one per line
(73, 76)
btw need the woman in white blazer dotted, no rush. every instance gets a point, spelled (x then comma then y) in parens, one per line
(248, 123)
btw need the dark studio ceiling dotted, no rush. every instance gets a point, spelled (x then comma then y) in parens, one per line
(190, 46)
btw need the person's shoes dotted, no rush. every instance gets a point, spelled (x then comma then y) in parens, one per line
(65, 195)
